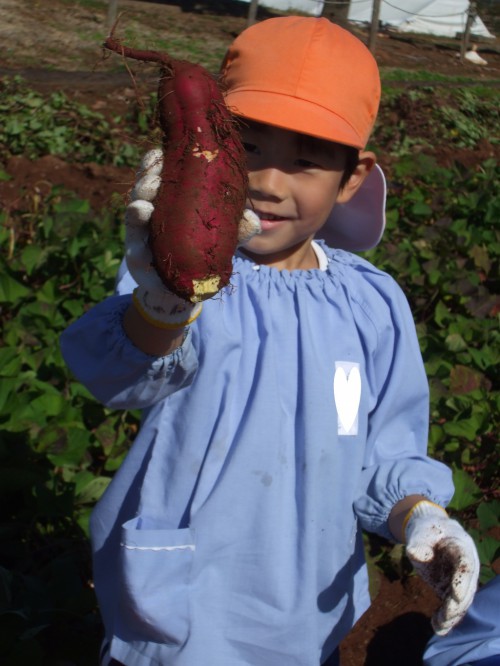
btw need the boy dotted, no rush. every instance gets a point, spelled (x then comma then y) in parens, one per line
(283, 417)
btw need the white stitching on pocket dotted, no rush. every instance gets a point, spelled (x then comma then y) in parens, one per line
(188, 546)
(155, 581)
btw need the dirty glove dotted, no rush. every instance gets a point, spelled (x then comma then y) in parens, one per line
(445, 556)
(155, 303)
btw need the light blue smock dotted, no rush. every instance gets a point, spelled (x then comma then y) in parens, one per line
(294, 414)
(476, 640)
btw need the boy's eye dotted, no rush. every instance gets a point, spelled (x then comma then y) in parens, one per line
(250, 147)
(303, 163)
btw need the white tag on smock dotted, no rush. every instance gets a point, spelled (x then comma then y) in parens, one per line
(347, 395)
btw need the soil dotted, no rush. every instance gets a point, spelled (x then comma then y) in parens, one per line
(56, 46)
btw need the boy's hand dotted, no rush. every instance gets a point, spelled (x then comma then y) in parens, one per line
(445, 556)
(154, 302)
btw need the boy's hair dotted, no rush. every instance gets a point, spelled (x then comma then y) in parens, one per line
(304, 74)
(351, 155)
(351, 162)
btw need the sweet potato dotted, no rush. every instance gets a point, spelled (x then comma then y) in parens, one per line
(194, 227)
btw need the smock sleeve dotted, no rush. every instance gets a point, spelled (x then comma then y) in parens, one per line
(396, 463)
(117, 373)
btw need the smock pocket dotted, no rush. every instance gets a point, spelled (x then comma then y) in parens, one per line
(155, 570)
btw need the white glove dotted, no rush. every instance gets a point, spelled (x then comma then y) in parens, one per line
(156, 304)
(445, 556)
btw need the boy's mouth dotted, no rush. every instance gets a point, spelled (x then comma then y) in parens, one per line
(269, 217)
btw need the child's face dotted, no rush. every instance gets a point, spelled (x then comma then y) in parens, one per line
(294, 183)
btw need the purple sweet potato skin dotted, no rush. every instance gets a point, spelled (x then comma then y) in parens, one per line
(194, 226)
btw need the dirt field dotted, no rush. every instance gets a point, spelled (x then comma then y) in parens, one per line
(56, 46)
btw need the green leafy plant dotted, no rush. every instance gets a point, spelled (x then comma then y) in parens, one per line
(443, 246)
(58, 447)
(428, 116)
(35, 125)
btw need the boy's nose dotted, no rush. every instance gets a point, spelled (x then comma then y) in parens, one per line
(268, 182)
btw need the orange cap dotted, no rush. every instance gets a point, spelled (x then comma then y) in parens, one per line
(304, 74)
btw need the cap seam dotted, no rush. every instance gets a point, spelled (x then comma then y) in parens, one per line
(305, 50)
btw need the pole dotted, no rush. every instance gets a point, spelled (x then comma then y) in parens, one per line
(111, 18)
(374, 25)
(471, 15)
(252, 12)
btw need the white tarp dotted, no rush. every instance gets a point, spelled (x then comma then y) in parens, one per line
(313, 7)
(435, 17)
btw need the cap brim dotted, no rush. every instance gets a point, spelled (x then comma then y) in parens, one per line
(294, 114)
(359, 224)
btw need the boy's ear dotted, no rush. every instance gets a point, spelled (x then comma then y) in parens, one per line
(367, 161)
